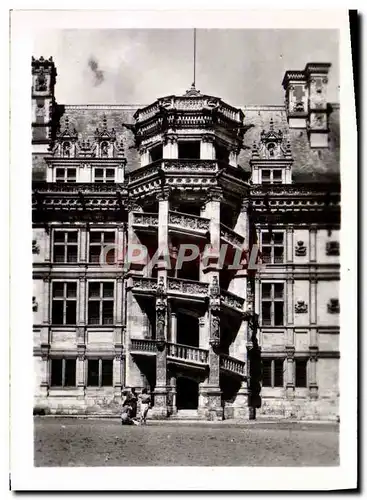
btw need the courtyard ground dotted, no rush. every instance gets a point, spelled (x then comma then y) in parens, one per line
(63, 442)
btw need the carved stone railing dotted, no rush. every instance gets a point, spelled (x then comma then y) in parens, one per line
(75, 187)
(231, 300)
(143, 345)
(188, 221)
(141, 284)
(233, 365)
(187, 353)
(188, 165)
(187, 287)
(145, 219)
(231, 236)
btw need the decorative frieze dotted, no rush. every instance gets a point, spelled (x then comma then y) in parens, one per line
(187, 287)
(188, 221)
(145, 219)
(231, 300)
(300, 307)
(333, 306)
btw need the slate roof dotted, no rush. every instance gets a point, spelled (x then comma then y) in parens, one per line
(310, 165)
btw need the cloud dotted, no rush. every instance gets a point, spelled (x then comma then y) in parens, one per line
(98, 74)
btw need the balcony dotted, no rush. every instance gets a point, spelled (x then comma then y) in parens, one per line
(227, 235)
(231, 300)
(233, 365)
(143, 346)
(188, 354)
(141, 285)
(193, 289)
(145, 221)
(188, 223)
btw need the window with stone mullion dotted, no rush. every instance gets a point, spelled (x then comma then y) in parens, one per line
(273, 373)
(65, 247)
(100, 303)
(64, 303)
(97, 241)
(272, 304)
(272, 247)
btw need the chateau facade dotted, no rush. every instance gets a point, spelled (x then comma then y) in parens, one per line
(123, 194)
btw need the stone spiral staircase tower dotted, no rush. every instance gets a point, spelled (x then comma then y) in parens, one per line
(186, 334)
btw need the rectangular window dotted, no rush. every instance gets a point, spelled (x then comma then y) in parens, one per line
(101, 303)
(272, 247)
(100, 372)
(272, 304)
(98, 240)
(63, 372)
(271, 176)
(273, 372)
(104, 175)
(64, 303)
(301, 372)
(65, 174)
(65, 246)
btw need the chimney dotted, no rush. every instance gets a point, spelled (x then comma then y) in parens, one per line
(296, 98)
(317, 122)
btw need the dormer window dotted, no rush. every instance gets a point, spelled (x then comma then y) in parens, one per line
(271, 176)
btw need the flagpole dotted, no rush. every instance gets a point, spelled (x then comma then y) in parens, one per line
(194, 57)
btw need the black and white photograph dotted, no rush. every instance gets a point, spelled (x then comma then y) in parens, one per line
(186, 253)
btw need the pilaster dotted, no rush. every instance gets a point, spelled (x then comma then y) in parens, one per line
(207, 150)
(313, 300)
(312, 242)
(312, 372)
(289, 243)
(290, 384)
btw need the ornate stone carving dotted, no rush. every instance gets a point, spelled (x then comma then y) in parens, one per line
(189, 221)
(146, 219)
(232, 300)
(161, 310)
(300, 307)
(187, 287)
(332, 248)
(189, 165)
(34, 304)
(289, 351)
(300, 249)
(231, 236)
(149, 284)
(41, 81)
(215, 331)
(333, 306)
(35, 247)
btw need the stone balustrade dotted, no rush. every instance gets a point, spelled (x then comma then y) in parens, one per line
(231, 300)
(187, 353)
(232, 365)
(141, 284)
(187, 287)
(145, 219)
(188, 221)
(231, 236)
(143, 345)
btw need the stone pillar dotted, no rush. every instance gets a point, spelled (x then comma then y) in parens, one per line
(45, 371)
(144, 157)
(83, 244)
(290, 300)
(163, 217)
(173, 395)
(313, 300)
(117, 375)
(290, 372)
(312, 242)
(173, 337)
(170, 147)
(207, 150)
(46, 245)
(289, 243)
(233, 156)
(80, 370)
(312, 375)
(120, 173)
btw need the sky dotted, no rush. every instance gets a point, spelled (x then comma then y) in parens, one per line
(136, 66)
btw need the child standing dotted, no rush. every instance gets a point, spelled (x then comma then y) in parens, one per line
(145, 404)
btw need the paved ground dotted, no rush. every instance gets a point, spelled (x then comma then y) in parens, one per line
(84, 442)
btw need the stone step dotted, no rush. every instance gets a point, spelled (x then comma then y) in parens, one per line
(185, 415)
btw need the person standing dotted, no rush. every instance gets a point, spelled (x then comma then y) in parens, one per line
(145, 405)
